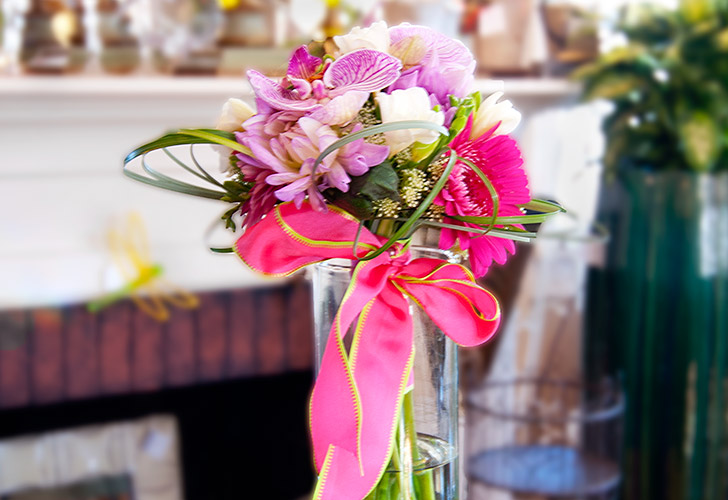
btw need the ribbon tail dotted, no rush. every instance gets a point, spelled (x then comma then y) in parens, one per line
(335, 407)
(381, 360)
(448, 293)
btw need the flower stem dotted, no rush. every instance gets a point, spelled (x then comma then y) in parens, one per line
(386, 227)
(423, 481)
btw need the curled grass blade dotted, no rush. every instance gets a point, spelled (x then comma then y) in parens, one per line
(182, 137)
(524, 237)
(202, 170)
(546, 208)
(222, 250)
(164, 182)
(376, 129)
(188, 189)
(185, 137)
(217, 137)
(491, 189)
(179, 162)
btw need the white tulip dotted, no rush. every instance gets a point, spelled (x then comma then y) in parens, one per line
(375, 37)
(234, 113)
(491, 112)
(408, 104)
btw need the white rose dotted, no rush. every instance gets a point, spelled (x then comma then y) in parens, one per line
(491, 112)
(234, 113)
(404, 105)
(375, 37)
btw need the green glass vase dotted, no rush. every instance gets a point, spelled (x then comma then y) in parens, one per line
(658, 318)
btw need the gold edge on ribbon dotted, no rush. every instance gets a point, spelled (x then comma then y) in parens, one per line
(443, 265)
(236, 250)
(348, 362)
(353, 352)
(398, 414)
(291, 233)
(317, 243)
(357, 332)
(418, 281)
(323, 475)
(478, 313)
(414, 299)
(341, 349)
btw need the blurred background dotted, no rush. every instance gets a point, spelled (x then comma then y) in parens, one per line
(137, 364)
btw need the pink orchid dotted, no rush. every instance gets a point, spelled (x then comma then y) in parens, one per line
(331, 93)
(465, 194)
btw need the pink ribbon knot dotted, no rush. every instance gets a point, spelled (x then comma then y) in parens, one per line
(357, 396)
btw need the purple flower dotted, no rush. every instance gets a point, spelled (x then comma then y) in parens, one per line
(331, 93)
(284, 161)
(439, 64)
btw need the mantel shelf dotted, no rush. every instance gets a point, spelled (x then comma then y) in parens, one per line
(229, 86)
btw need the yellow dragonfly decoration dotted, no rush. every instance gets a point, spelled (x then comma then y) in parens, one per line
(228, 4)
(144, 283)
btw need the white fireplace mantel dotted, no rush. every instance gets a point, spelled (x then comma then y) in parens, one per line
(62, 141)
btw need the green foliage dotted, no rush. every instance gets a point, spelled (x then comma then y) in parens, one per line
(237, 191)
(378, 183)
(669, 88)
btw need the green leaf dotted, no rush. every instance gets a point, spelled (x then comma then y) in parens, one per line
(378, 183)
(457, 126)
(361, 208)
(700, 140)
(612, 85)
(697, 10)
(477, 99)
(421, 151)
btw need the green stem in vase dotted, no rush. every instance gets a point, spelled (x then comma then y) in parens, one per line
(404, 464)
(424, 483)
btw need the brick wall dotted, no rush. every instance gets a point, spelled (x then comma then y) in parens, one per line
(55, 355)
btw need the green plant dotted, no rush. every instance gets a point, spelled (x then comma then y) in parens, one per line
(669, 88)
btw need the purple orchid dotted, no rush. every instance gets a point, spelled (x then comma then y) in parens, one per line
(444, 66)
(332, 93)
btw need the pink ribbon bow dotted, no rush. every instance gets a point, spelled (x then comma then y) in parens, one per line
(355, 402)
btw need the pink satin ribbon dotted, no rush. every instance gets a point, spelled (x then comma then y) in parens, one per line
(357, 397)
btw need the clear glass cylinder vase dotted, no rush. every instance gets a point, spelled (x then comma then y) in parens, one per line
(433, 472)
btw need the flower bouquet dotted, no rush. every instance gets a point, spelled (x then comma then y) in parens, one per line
(346, 157)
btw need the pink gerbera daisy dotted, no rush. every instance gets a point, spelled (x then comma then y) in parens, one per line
(465, 194)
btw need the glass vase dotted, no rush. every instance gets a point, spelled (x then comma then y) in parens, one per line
(429, 416)
(658, 319)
